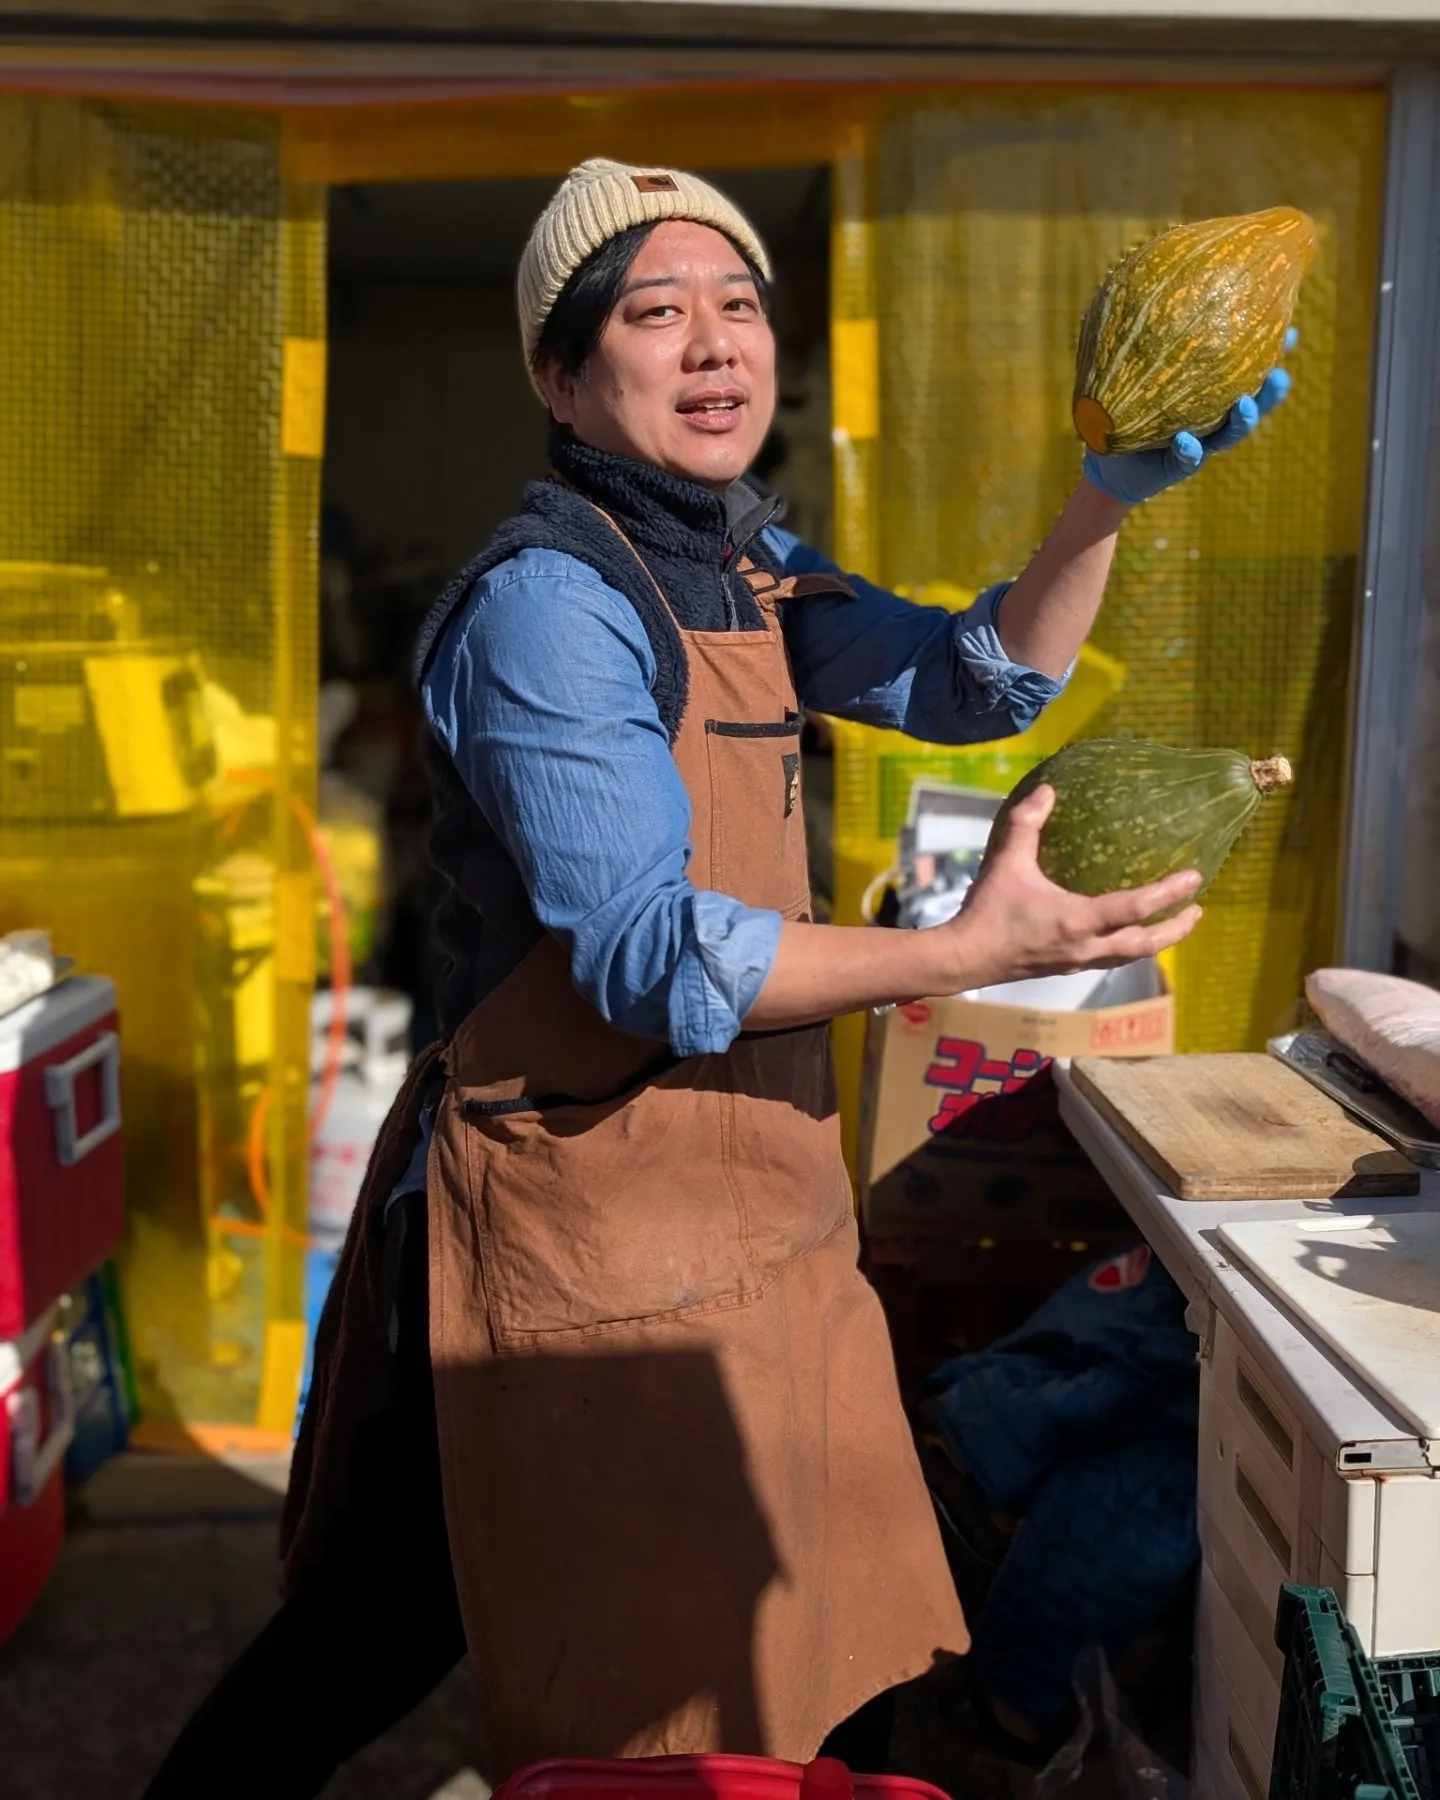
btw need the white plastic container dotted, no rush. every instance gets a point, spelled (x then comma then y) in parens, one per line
(1232, 1756)
(1237, 1700)
(1321, 1489)
(375, 1058)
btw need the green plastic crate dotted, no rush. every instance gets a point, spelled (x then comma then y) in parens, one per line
(1336, 1738)
(1412, 1689)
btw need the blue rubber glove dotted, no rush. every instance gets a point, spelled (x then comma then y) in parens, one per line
(1144, 473)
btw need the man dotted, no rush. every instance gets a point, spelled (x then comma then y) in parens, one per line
(673, 1505)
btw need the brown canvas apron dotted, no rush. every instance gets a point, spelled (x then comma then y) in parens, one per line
(683, 1503)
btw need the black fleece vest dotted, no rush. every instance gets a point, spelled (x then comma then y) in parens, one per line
(690, 539)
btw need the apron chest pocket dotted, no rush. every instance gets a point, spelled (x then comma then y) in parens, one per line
(756, 765)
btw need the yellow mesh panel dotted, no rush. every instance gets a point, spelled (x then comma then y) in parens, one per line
(983, 226)
(163, 316)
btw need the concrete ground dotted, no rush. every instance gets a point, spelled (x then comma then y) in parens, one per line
(169, 1571)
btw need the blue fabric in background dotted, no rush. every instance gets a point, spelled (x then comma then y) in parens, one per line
(320, 1266)
(1083, 1422)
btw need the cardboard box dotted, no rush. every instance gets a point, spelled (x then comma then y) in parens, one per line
(960, 1131)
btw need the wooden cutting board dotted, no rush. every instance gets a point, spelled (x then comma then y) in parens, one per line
(1240, 1128)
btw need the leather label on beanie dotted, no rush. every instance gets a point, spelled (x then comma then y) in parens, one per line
(655, 184)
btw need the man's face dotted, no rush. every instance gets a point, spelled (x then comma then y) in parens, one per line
(684, 374)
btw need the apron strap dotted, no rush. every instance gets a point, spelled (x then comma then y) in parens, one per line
(769, 590)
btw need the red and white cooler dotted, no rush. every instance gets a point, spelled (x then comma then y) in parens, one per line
(37, 1423)
(62, 1169)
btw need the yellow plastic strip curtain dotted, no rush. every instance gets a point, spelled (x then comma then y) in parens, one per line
(161, 380)
(969, 240)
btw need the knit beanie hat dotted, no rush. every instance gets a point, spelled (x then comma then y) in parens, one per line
(595, 203)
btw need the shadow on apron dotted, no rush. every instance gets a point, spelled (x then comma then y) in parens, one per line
(636, 1606)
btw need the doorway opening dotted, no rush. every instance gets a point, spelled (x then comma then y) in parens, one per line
(432, 431)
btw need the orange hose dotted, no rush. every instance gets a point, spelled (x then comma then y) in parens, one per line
(255, 1151)
(252, 1228)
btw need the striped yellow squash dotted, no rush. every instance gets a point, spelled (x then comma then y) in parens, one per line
(1185, 325)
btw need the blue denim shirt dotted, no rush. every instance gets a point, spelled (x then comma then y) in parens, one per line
(541, 693)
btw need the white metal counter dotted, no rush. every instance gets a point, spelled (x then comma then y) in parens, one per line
(1183, 1234)
(1304, 1474)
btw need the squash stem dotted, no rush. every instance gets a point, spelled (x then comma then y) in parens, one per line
(1271, 772)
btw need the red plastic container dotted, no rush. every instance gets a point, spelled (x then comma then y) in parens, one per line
(37, 1423)
(62, 1159)
(708, 1778)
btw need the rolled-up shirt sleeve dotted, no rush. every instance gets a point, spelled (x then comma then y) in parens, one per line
(940, 676)
(541, 693)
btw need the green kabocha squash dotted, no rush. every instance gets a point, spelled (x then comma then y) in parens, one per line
(1129, 812)
(1186, 325)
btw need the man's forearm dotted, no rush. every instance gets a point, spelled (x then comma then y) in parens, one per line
(822, 971)
(1050, 609)
(1015, 924)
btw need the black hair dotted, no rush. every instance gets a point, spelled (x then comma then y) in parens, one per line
(572, 331)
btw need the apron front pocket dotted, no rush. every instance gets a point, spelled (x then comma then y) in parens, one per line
(595, 1216)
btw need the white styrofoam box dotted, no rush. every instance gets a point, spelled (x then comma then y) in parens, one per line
(1349, 1533)
(1204, 1782)
(1407, 1566)
(1300, 1475)
(1125, 986)
(1352, 1429)
(1271, 1490)
(1247, 1386)
(1226, 1742)
(1255, 1511)
(1367, 1287)
(940, 818)
(1206, 1728)
(1356, 1594)
(1254, 1674)
(1254, 1614)
(1254, 1535)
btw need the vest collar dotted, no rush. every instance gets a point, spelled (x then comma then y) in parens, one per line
(658, 511)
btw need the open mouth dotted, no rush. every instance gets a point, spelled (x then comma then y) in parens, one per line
(712, 412)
